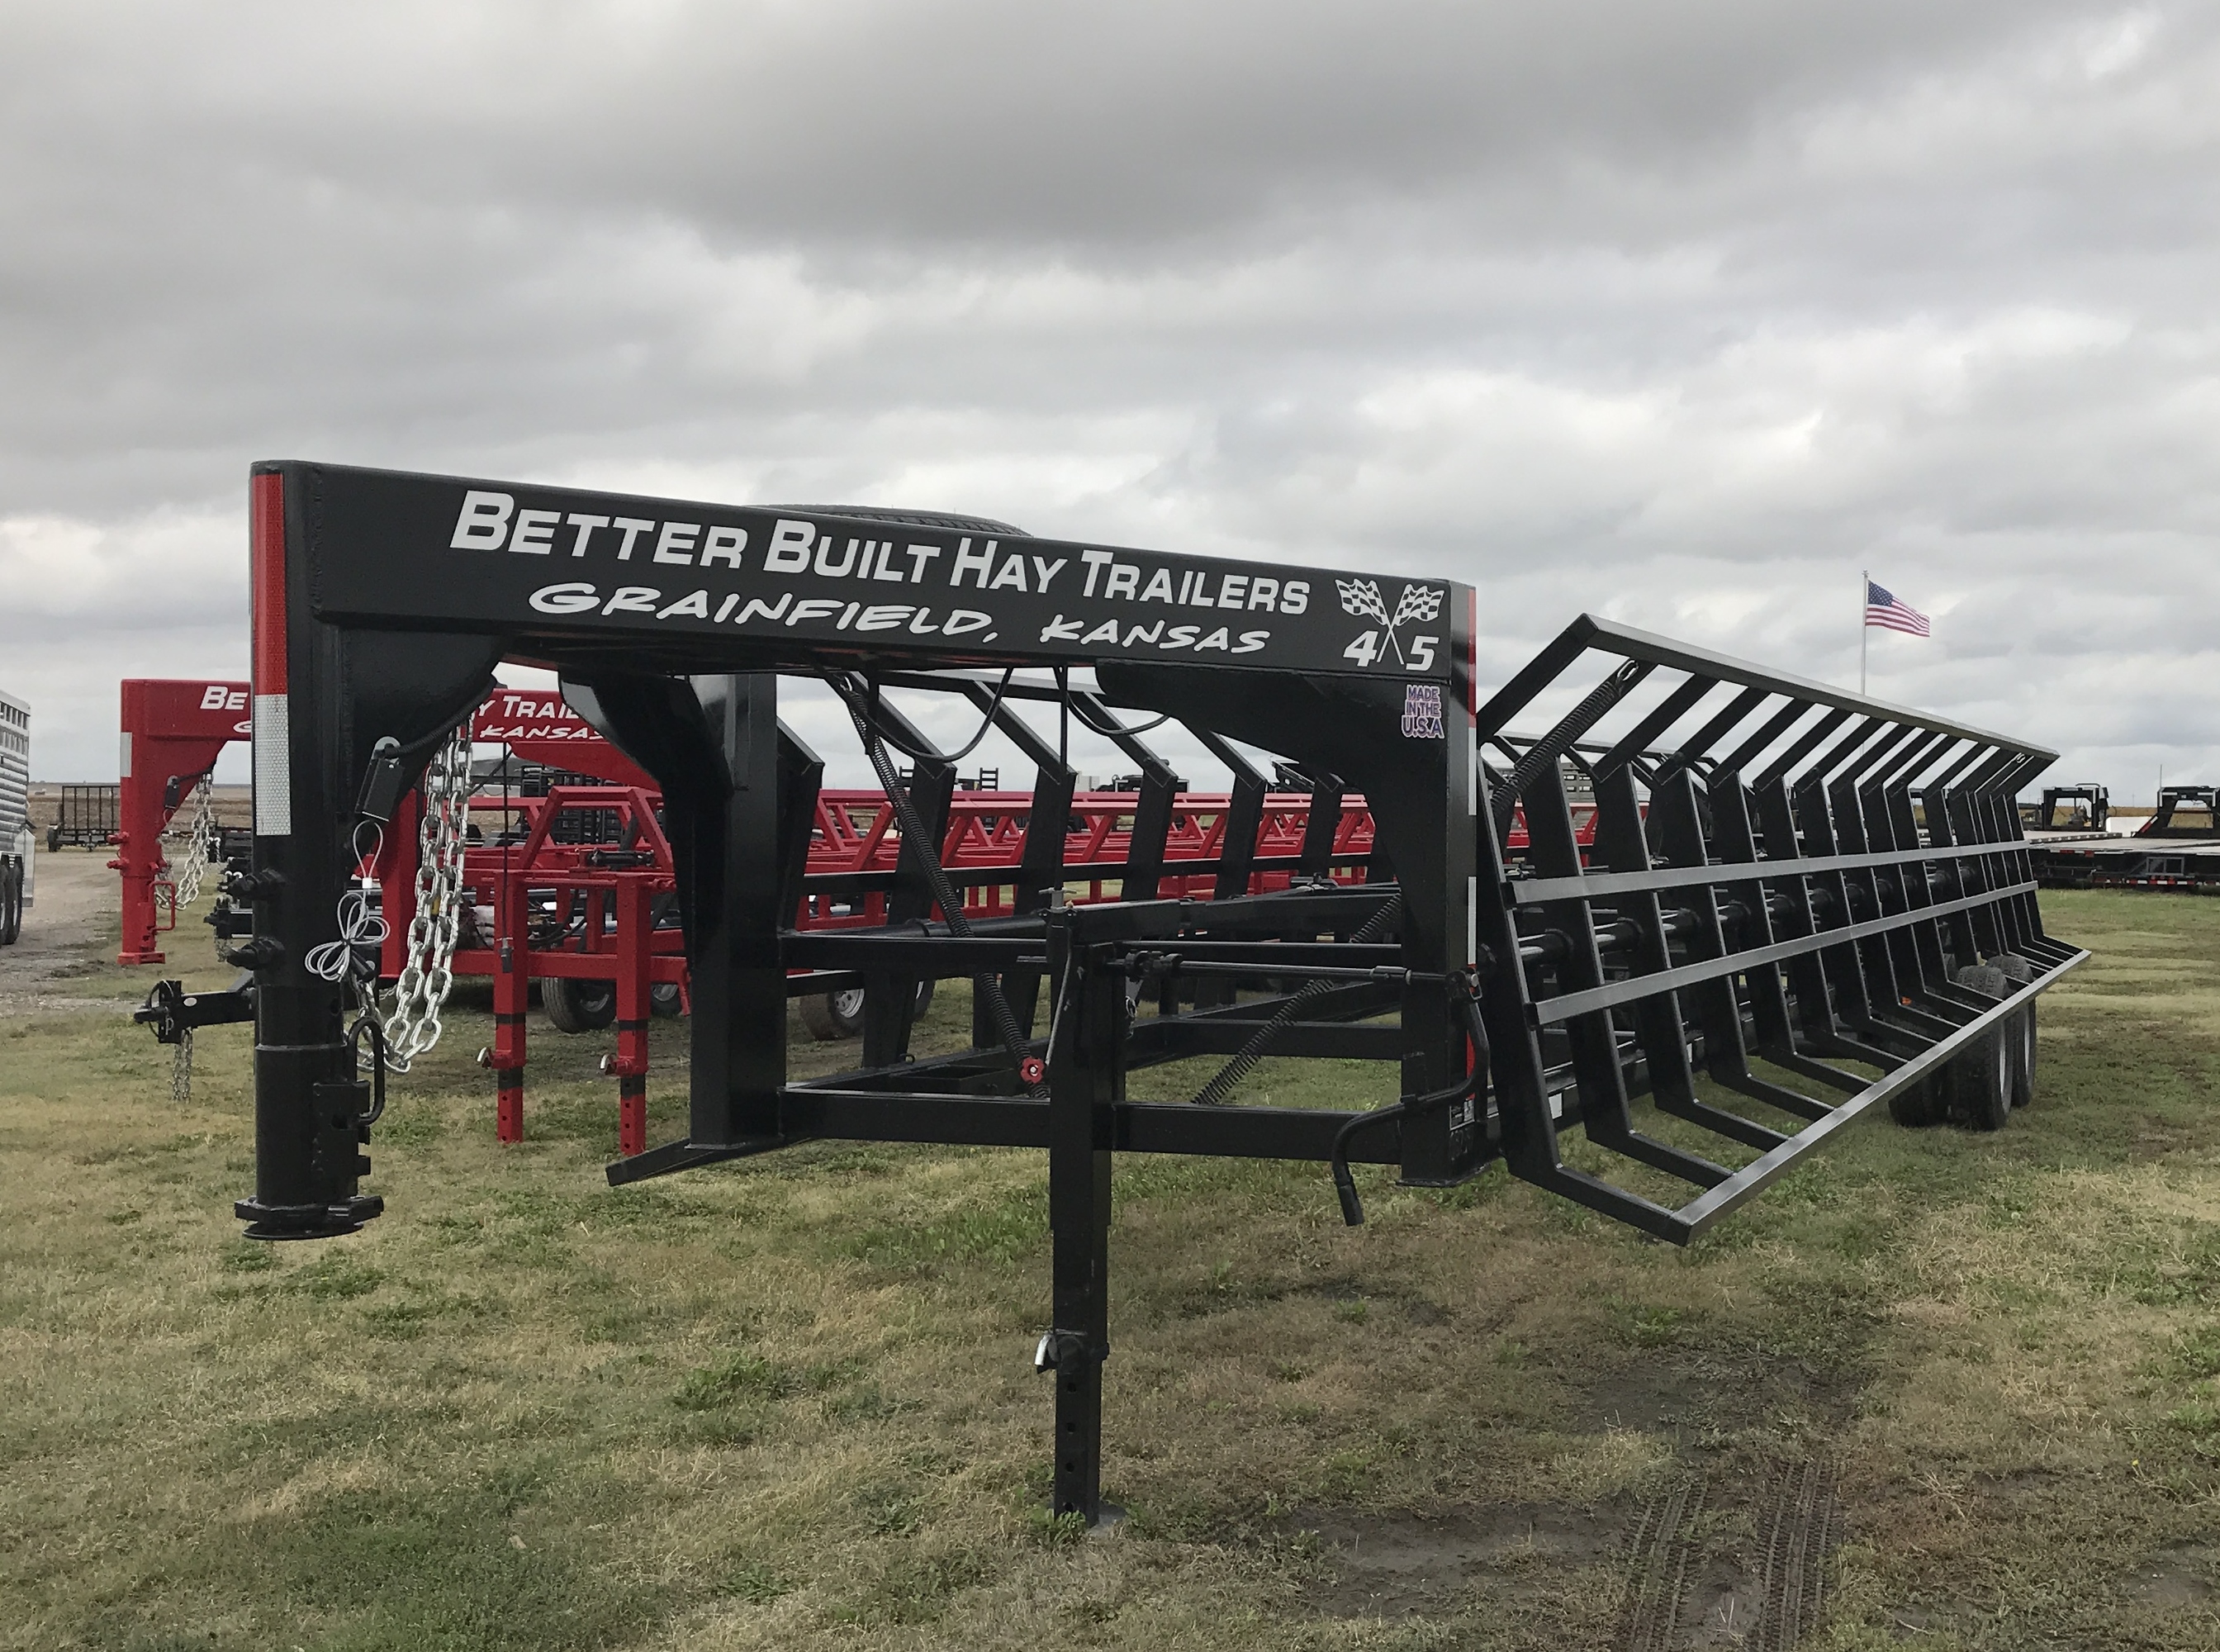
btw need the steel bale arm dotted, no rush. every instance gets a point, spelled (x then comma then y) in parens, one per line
(1811, 923)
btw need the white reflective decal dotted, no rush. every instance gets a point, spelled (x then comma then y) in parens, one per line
(273, 768)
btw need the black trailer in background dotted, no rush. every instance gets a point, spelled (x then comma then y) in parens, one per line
(2178, 849)
(1763, 941)
(86, 816)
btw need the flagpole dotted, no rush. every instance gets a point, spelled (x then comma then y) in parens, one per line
(1865, 588)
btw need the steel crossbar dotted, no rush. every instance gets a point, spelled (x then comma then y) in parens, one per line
(1564, 1007)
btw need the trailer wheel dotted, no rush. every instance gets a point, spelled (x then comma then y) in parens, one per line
(833, 1016)
(2019, 1033)
(2021, 1036)
(664, 998)
(11, 904)
(1981, 1082)
(575, 1005)
(53, 840)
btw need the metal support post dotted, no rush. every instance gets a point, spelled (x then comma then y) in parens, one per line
(634, 987)
(740, 976)
(512, 990)
(1085, 1075)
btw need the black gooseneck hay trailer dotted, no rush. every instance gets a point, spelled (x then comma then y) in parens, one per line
(1798, 903)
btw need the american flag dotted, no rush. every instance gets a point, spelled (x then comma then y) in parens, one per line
(1883, 609)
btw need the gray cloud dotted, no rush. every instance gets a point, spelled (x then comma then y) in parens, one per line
(1683, 315)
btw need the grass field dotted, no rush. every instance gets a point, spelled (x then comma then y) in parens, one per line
(788, 1402)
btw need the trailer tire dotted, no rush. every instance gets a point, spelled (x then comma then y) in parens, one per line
(1986, 979)
(1981, 1082)
(578, 1006)
(830, 1017)
(53, 840)
(11, 904)
(833, 1016)
(2019, 1031)
(664, 998)
(1917, 1105)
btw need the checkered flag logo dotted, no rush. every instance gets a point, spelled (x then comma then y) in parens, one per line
(1361, 597)
(1420, 602)
(1417, 605)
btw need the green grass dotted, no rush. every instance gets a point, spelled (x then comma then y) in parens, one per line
(788, 1402)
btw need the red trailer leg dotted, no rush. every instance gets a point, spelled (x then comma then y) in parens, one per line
(512, 991)
(634, 987)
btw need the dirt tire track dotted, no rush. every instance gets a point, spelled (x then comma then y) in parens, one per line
(1660, 1552)
(1800, 1532)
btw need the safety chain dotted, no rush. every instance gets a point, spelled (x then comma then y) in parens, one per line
(204, 840)
(181, 1069)
(412, 1024)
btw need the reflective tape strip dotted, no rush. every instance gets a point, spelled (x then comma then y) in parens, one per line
(124, 757)
(267, 536)
(273, 768)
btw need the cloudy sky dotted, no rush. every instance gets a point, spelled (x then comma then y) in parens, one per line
(1683, 313)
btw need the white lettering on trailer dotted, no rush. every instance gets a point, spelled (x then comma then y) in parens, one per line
(1188, 637)
(534, 533)
(579, 596)
(488, 519)
(788, 549)
(970, 561)
(675, 544)
(573, 597)
(585, 525)
(484, 523)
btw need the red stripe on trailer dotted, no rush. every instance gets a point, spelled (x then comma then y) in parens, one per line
(1472, 658)
(267, 536)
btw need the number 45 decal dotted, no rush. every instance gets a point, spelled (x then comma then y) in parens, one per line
(1421, 603)
(1417, 657)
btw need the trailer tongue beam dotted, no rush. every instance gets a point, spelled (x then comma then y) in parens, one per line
(1770, 888)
